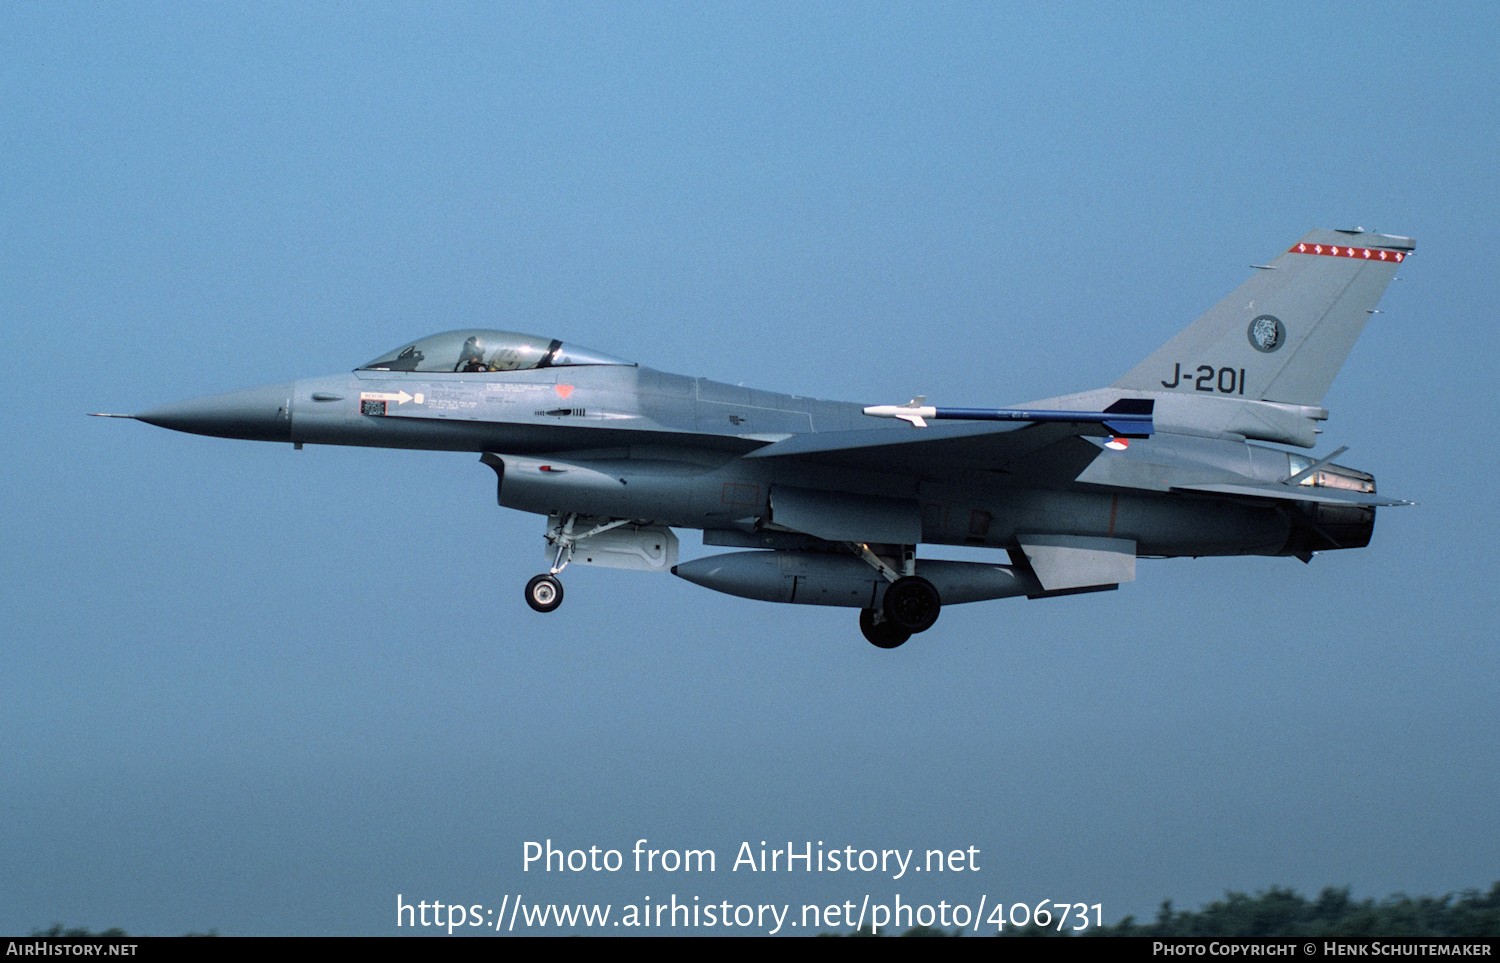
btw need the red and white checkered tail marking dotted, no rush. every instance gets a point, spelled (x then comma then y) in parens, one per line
(1336, 250)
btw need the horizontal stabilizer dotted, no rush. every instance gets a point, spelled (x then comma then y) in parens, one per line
(1298, 493)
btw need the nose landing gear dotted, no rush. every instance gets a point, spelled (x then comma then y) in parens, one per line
(544, 593)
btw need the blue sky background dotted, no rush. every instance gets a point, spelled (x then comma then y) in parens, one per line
(264, 691)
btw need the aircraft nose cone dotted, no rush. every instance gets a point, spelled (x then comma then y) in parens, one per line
(255, 414)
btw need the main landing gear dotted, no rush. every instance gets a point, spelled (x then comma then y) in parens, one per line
(883, 634)
(911, 606)
(911, 603)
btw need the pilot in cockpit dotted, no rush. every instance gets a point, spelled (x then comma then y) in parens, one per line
(471, 357)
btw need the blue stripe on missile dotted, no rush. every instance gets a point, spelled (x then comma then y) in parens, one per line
(1129, 417)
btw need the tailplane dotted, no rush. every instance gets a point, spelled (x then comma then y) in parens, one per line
(1282, 335)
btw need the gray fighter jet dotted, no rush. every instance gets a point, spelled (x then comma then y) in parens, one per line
(827, 502)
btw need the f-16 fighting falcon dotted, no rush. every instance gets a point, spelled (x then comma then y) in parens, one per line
(827, 503)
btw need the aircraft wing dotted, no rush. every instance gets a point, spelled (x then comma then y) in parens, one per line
(945, 448)
(1054, 451)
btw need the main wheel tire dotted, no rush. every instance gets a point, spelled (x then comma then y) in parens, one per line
(544, 593)
(885, 634)
(912, 603)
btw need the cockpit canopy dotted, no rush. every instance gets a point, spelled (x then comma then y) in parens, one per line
(481, 350)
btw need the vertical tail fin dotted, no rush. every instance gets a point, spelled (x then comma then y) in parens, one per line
(1282, 335)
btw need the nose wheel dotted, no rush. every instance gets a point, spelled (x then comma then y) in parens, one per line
(544, 593)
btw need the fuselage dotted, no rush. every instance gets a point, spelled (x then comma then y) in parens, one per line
(832, 500)
(626, 441)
